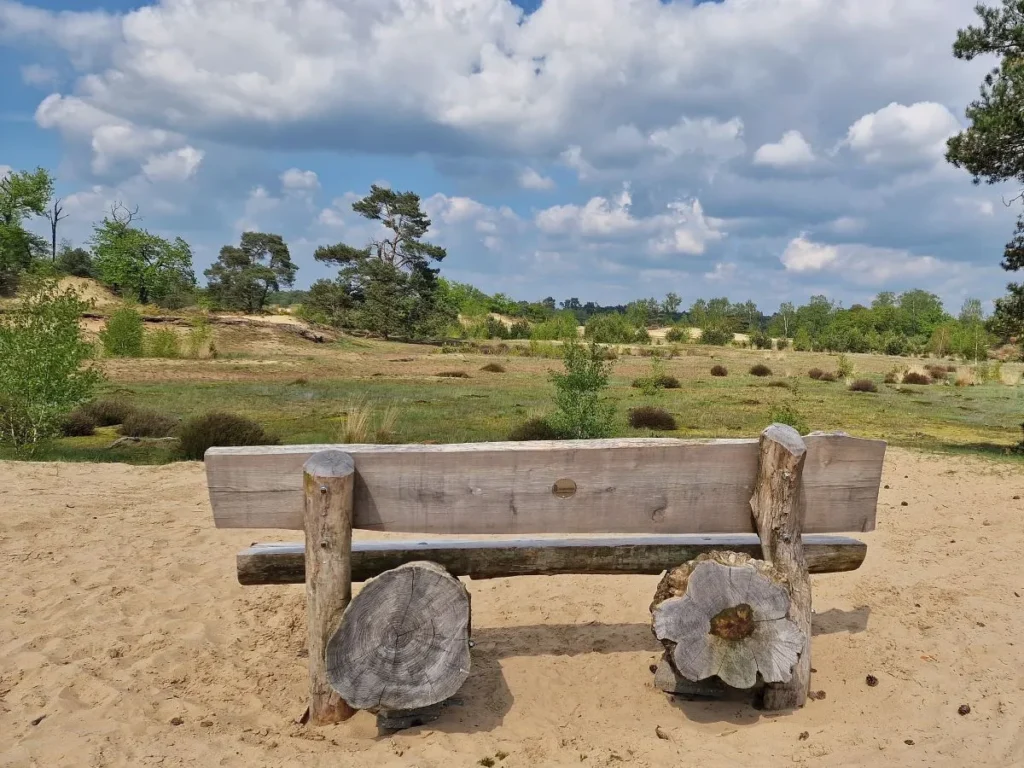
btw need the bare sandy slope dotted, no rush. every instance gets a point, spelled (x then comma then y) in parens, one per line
(120, 613)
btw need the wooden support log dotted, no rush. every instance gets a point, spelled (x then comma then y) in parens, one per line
(284, 563)
(328, 480)
(725, 615)
(403, 643)
(778, 508)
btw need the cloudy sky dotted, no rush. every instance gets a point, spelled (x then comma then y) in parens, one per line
(604, 149)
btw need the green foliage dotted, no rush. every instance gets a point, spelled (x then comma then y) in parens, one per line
(760, 340)
(781, 343)
(43, 371)
(802, 341)
(137, 264)
(560, 326)
(146, 423)
(784, 413)
(656, 380)
(199, 340)
(76, 262)
(678, 333)
(122, 334)
(520, 329)
(844, 367)
(615, 329)
(651, 417)
(198, 434)
(580, 414)
(23, 194)
(327, 302)
(244, 276)
(718, 337)
(163, 342)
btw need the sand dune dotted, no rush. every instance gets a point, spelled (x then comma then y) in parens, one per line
(125, 641)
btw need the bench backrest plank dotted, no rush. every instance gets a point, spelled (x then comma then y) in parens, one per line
(630, 485)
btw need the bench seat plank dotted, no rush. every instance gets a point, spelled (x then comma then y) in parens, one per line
(627, 485)
(496, 558)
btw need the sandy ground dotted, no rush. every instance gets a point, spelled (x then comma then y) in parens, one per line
(121, 614)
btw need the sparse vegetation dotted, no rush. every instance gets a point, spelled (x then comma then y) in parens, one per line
(453, 375)
(146, 423)
(651, 417)
(219, 429)
(785, 414)
(760, 369)
(844, 367)
(863, 385)
(164, 343)
(493, 368)
(108, 412)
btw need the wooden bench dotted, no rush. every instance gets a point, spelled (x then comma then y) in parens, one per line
(660, 503)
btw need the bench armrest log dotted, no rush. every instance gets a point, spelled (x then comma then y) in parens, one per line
(284, 563)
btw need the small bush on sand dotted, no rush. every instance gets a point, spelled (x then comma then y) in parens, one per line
(580, 414)
(537, 428)
(493, 368)
(78, 423)
(163, 342)
(760, 370)
(815, 373)
(221, 429)
(146, 423)
(863, 385)
(123, 336)
(453, 374)
(786, 414)
(107, 412)
(916, 378)
(651, 417)
(719, 370)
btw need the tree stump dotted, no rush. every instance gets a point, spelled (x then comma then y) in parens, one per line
(403, 643)
(725, 615)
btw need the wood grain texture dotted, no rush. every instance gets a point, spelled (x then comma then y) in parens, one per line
(498, 558)
(403, 643)
(328, 479)
(630, 485)
(779, 508)
(745, 603)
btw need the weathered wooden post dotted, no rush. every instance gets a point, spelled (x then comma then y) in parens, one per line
(779, 514)
(328, 481)
(727, 617)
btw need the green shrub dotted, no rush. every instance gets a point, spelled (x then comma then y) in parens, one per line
(678, 333)
(520, 330)
(651, 417)
(580, 414)
(760, 369)
(122, 336)
(863, 385)
(78, 423)
(163, 342)
(43, 365)
(615, 328)
(715, 336)
(802, 341)
(760, 340)
(108, 412)
(844, 367)
(537, 428)
(219, 429)
(147, 423)
(493, 368)
(783, 413)
(561, 326)
(199, 340)
(719, 370)
(781, 343)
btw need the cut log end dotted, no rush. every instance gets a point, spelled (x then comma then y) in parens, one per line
(403, 643)
(725, 615)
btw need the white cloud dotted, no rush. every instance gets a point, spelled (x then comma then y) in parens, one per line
(176, 165)
(897, 133)
(598, 217)
(295, 179)
(38, 75)
(846, 225)
(803, 255)
(704, 136)
(857, 263)
(530, 179)
(791, 150)
(722, 272)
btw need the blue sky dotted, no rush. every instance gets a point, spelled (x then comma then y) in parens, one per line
(765, 149)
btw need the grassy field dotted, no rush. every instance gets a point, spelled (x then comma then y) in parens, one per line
(301, 392)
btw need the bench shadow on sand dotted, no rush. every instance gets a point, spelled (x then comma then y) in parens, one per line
(485, 699)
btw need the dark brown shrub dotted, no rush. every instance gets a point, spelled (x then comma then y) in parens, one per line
(815, 373)
(78, 423)
(453, 374)
(146, 423)
(668, 382)
(494, 368)
(891, 378)
(863, 385)
(664, 381)
(651, 417)
(536, 428)
(300, 382)
(760, 370)
(827, 376)
(719, 370)
(779, 383)
(221, 429)
(108, 412)
(916, 378)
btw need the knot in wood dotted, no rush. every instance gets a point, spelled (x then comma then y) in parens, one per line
(734, 623)
(323, 489)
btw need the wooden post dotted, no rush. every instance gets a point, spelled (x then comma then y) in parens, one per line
(328, 481)
(778, 509)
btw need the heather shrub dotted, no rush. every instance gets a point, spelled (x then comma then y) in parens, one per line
(108, 412)
(146, 423)
(651, 417)
(915, 377)
(219, 429)
(537, 428)
(760, 369)
(815, 373)
(78, 423)
(719, 370)
(863, 385)
(493, 368)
